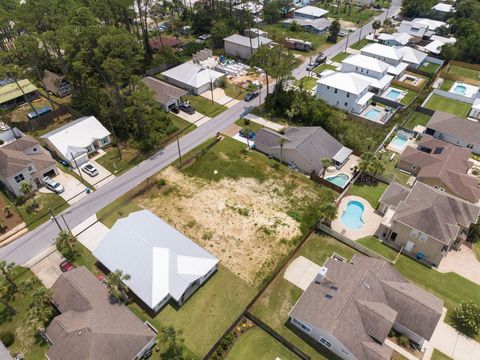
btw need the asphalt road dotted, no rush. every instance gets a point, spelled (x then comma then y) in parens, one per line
(35, 242)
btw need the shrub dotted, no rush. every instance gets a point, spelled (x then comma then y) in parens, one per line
(161, 183)
(2, 142)
(466, 317)
(403, 341)
(20, 200)
(246, 121)
(7, 338)
(276, 165)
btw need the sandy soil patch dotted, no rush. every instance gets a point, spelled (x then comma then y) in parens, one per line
(243, 222)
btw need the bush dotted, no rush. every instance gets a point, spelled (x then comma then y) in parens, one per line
(466, 317)
(161, 183)
(2, 142)
(20, 200)
(403, 341)
(246, 121)
(7, 338)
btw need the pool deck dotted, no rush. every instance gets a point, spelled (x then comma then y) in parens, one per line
(370, 217)
(470, 90)
(378, 120)
(347, 168)
(398, 150)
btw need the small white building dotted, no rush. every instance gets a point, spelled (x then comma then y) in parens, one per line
(163, 263)
(443, 10)
(192, 77)
(74, 141)
(243, 47)
(395, 39)
(420, 27)
(309, 12)
(369, 69)
(344, 91)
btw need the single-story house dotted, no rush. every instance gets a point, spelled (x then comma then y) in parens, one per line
(350, 308)
(74, 141)
(171, 41)
(91, 325)
(11, 95)
(443, 166)
(163, 263)
(420, 27)
(24, 160)
(243, 47)
(395, 39)
(443, 10)
(423, 221)
(192, 77)
(304, 147)
(309, 12)
(317, 26)
(168, 96)
(56, 84)
(413, 57)
(455, 130)
(254, 32)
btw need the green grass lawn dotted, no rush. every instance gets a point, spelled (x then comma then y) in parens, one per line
(391, 168)
(447, 85)
(257, 344)
(437, 355)
(371, 193)
(234, 91)
(357, 14)
(410, 97)
(278, 33)
(360, 44)
(116, 210)
(430, 68)
(451, 106)
(181, 123)
(252, 125)
(307, 82)
(417, 119)
(26, 340)
(205, 106)
(207, 314)
(376, 245)
(277, 301)
(464, 72)
(41, 214)
(112, 162)
(323, 67)
(340, 57)
(476, 249)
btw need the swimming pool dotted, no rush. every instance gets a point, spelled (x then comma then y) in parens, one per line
(460, 89)
(340, 179)
(372, 114)
(399, 142)
(352, 216)
(393, 94)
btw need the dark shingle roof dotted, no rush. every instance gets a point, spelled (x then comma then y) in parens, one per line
(394, 194)
(52, 81)
(463, 129)
(163, 92)
(90, 326)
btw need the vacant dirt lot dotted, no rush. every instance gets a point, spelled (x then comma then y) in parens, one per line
(244, 222)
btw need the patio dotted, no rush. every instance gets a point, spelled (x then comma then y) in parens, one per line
(464, 89)
(371, 220)
(347, 168)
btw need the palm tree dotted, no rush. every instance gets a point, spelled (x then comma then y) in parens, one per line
(368, 143)
(376, 25)
(65, 243)
(248, 131)
(328, 212)
(40, 310)
(370, 163)
(6, 274)
(326, 163)
(173, 339)
(7, 211)
(116, 286)
(281, 141)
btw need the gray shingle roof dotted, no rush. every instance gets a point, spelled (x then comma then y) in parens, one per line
(163, 92)
(367, 297)
(394, 194)
(463, 129)
(90, 326)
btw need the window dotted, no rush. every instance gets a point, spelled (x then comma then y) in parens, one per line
(336, 91)
(470, 146)
(423, 238)
(393, 237)
(19, 178)
(348, 95)
(356, 68)
(325, 342)
(30, 168)
(104, 140)
(444, 248)
(346, 104)
(301, 325)
(328, 87)
(414, 167)
(414, 234)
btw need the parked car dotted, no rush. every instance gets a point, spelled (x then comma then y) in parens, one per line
(102, 279)
(53, 185)
(250, 96)
(310, 67)
(90, 170)
(247, 134)
(321, 58)
(66, 266)
(186, 107)
(174, 110)
(342, 33)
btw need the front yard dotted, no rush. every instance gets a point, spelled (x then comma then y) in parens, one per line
(278, 33)
(35, 215)
(451, 106)
(356, 14)
(307, 83)
(323, 67)
(340, 57)
(205, 106)
(112, 161)
(360, 44)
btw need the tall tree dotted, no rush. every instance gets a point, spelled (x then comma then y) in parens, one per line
(7, 274)
(334, 31)
(65, 242)
(116, 285)
(40, 310)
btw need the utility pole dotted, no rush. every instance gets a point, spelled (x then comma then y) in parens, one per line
(179, 152)
(65, 221)
(346, 44)
(360, 36)
(55, 219)
(76, 165)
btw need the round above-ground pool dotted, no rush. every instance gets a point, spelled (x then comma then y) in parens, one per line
(352, 216)
(340, 179)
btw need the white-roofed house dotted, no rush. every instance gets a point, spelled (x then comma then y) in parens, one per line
(443, 10)
(389, 55)
(369, 69)
(395, 39)
(74, 141)
(420, 27)
(242, 46)
(412, 57)
(192, 77)
(309, 12)
(435, 47)
(345, 91)
(163, 264)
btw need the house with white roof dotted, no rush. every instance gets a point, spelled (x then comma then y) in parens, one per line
(309, 12)
(395, 39)
(316, 26)
(243, 47)
(345, 91)
(387, 54)
(192, 77)
(435, 47)
(366, 68)
(420, 27)
(163, 264)
(74, 141)
(412, 57)
(443, 10)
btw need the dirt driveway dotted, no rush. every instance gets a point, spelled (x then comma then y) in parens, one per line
(74, 189)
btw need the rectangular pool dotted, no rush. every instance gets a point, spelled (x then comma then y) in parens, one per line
(393, 94)
(399, 142)
(372, 114)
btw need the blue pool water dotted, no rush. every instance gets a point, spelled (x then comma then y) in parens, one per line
(393, 94)
(399, 141)
(340, 179)
(372, 114)
(459, 89)
(352, 216)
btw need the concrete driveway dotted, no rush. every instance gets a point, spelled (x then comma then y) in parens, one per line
(463, 262)
(74, 189)
(90, 232)
(196, 118)
(301, 272)
(47, 267)
(104, 176)
(220, 97)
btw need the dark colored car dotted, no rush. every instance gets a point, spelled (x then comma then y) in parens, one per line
(321, 58)
(187, 108)
(66, 266)
(174, 110)
(250, 96)
(310, 67)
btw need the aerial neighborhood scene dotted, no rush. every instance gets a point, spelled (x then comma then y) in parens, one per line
(243, 179)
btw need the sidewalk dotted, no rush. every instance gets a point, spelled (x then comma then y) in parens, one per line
(264, 122)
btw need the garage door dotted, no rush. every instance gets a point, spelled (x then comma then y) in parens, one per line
(50, 173)
(82, 159)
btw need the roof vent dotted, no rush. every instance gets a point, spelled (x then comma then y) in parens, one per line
(328, 296)
(321, 275)
(334, 288)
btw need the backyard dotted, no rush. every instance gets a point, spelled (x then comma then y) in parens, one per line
(257, 344)
(391, 170)
(430, 67)
(464, 72)
(370, 192)
(19, 114)
(410, 97)
(205, 106)
(415, 119)
(451, 106)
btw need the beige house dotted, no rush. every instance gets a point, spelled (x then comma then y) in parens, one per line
(443, 166)
(423, 221)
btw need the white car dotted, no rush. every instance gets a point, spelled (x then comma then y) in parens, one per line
(53, 185)
(89, 169)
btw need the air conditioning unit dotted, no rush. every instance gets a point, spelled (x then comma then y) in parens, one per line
(321, 275)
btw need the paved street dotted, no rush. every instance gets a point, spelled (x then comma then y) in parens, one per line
(36, 241)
